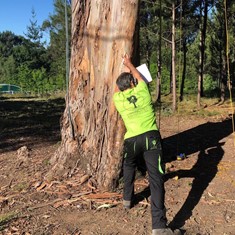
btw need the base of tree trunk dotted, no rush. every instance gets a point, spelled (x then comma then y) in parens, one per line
(63, 162)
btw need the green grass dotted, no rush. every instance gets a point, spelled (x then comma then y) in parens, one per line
(21, 186)
(6, 218)
(209, 106)
(22, 96)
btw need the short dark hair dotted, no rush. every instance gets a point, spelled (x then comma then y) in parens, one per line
(124, 81)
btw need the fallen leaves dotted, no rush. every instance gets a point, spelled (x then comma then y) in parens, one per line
(65, 192)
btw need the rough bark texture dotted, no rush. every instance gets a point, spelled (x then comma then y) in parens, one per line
(102, 31)
(173, 60)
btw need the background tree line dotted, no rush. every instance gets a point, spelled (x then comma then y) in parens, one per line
(186, 41)
(28, 62)
(183, 43)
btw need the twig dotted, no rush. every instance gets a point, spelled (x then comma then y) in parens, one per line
(90, 185)
(81, 194)
(2, 199)
(45, 204)
(103, 195)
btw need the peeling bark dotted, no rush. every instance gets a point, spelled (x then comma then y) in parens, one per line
(102, 31)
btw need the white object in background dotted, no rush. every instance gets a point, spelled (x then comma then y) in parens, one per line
(143, 69)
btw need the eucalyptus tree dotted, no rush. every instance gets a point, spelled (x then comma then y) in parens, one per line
(92, 131)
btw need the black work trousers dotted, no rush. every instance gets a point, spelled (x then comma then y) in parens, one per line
(146, 149)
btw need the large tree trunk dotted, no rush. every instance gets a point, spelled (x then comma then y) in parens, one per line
(92, 131)
(173, 60)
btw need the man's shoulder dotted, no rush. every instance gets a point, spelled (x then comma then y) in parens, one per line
(116, 94)
(117, 97)
(142, 84)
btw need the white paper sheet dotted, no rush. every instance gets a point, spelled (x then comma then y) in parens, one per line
(143, 69)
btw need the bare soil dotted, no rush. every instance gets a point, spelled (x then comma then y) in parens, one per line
(200, 189)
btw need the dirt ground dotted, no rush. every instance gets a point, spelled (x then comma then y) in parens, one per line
(200, 190)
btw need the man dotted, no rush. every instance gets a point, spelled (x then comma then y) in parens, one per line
(142, 141)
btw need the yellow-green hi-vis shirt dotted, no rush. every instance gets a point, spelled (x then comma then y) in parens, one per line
(136, 109)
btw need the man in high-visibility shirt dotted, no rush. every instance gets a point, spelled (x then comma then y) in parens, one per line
(142, 141)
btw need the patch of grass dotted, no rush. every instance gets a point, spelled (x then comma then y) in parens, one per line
(21, 186)
(206, 113)
(166, 111)
(46, 162)
(21, 96)
(6, 218)
(209, 106)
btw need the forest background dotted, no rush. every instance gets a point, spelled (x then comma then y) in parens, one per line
(184, 43)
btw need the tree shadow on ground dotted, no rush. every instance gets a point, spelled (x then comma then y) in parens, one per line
(29, 122)
(205, 139)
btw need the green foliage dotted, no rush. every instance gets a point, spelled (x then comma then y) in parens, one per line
(34, 33)
(57, 48)
(188, 33)
(28, 63)
(24, 76)
(6, 218)
(210, 86)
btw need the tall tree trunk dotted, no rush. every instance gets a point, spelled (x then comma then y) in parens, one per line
(173, 60)
(224, 80)
(222, 77)
(203, 27)
(199, 76)
(170, 80)
(159, 59)
(182, 34)
(102, 31)
(184, 69)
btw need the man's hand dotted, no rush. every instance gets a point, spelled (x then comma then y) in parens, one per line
(131, 67)
(126, 60)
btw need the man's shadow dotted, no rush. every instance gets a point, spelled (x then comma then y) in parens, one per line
(203, 172)
(191, 141)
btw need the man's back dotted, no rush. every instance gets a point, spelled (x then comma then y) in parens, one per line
(135, 107)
